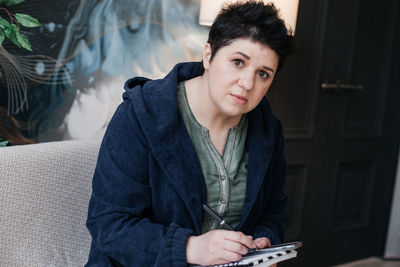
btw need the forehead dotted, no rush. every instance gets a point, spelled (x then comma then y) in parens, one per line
(246, 43)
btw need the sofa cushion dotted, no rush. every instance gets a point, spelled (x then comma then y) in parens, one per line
(44, 195)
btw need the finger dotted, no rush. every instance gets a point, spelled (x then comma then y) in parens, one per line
(246, 240)
(262, 242)
(235, 247)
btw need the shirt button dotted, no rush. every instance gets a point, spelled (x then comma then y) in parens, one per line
(223, 177)
(223, 201)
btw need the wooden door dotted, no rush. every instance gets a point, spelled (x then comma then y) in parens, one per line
(337, 99)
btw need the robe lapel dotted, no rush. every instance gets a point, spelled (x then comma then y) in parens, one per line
(260, 146)
(177, 157)
(157, 109)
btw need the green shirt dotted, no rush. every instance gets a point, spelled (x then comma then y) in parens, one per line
(225, 196)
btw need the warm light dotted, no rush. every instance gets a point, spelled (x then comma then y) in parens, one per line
(288, 11)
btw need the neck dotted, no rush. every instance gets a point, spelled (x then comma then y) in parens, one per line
(203, 107)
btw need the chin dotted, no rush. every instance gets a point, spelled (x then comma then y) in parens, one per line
(235, 112)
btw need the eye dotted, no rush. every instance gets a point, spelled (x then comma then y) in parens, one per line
(263, 74)
(238, 62)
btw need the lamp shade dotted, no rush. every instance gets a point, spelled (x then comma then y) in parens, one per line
(287, 8)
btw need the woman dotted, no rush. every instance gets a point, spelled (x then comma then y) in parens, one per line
(204, 134)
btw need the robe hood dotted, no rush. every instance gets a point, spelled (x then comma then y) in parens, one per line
(155, 101)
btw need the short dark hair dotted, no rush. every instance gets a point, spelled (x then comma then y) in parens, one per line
(252, 20)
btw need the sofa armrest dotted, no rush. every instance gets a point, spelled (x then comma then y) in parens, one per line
(44, 194)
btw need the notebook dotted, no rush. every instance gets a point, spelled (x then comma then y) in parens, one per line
(265, 257)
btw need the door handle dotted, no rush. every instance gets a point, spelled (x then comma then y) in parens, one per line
(340, 87)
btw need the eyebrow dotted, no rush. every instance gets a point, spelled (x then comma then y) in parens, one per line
(246, 56)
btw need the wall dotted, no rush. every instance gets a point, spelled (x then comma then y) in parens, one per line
(70, 85)
(393, 237)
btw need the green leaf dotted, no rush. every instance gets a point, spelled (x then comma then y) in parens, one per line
(5, 25)
(18, 39)
(13, 35)
(2, 37)
(10, 2)
(4, 22)
(24, 42)
(26, 20)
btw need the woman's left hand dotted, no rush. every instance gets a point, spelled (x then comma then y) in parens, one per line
(263, 242)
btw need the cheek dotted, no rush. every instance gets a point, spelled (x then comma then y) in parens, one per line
(219, 84)
(259, 94)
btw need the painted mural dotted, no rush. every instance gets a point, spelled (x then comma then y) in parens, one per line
(69, 86)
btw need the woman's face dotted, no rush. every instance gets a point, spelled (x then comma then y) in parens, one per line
(239, 75)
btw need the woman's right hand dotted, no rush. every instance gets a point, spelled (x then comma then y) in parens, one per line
(217, 247)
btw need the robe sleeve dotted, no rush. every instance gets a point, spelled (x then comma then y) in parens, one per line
(120, 206)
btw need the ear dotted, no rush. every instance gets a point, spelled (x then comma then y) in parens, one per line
(206, 55)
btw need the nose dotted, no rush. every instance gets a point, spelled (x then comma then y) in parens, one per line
(246, 80)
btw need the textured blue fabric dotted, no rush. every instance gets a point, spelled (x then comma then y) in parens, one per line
(148, 188)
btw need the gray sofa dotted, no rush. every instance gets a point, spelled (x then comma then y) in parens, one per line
(44, 194)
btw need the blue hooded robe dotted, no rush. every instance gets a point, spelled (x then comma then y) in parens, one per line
(148, 187)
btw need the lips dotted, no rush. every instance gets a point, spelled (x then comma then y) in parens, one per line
(239, 99)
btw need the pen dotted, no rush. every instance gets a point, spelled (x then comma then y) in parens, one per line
(215, 216)
(221, 221)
